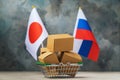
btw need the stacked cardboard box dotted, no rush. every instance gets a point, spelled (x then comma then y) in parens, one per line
(58, 50)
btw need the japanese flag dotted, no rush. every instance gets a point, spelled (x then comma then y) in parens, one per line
(36, 33)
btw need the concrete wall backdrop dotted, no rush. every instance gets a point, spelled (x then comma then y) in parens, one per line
(59, 16)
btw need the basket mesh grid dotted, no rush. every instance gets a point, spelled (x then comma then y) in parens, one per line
(61, 70)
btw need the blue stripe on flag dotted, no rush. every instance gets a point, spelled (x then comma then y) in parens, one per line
(83, 24)
(85, 48)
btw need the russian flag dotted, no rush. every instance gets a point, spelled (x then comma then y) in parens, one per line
(85, 43)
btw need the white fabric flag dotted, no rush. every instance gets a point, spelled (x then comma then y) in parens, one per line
(36, 33)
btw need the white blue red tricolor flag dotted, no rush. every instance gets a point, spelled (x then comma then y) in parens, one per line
(36, 33)
(85, 43)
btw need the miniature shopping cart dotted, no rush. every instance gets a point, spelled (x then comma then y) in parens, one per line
(60, 70)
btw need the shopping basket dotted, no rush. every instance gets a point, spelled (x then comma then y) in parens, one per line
(60, 70)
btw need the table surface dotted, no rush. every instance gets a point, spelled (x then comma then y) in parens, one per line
(79, 76)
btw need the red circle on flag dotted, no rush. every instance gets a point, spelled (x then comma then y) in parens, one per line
(35, 31)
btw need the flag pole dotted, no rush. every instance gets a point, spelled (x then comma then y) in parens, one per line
(42, 45)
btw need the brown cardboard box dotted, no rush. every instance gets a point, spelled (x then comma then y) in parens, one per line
(48, 57)
(59, 55)
(60, 42)
(71, 57)
(43, 50)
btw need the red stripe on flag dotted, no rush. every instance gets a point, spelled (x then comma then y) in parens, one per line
(84, 34)
(94, 52)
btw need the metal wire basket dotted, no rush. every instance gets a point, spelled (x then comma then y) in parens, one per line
(60, 70)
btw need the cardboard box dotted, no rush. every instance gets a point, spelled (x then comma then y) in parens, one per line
(59, 55)
(71, 57)
(43, 50)
(48, 57)
(60, 42)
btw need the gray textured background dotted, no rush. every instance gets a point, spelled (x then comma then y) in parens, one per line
(59, 16)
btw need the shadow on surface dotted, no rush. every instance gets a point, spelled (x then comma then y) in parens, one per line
(67, 77)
